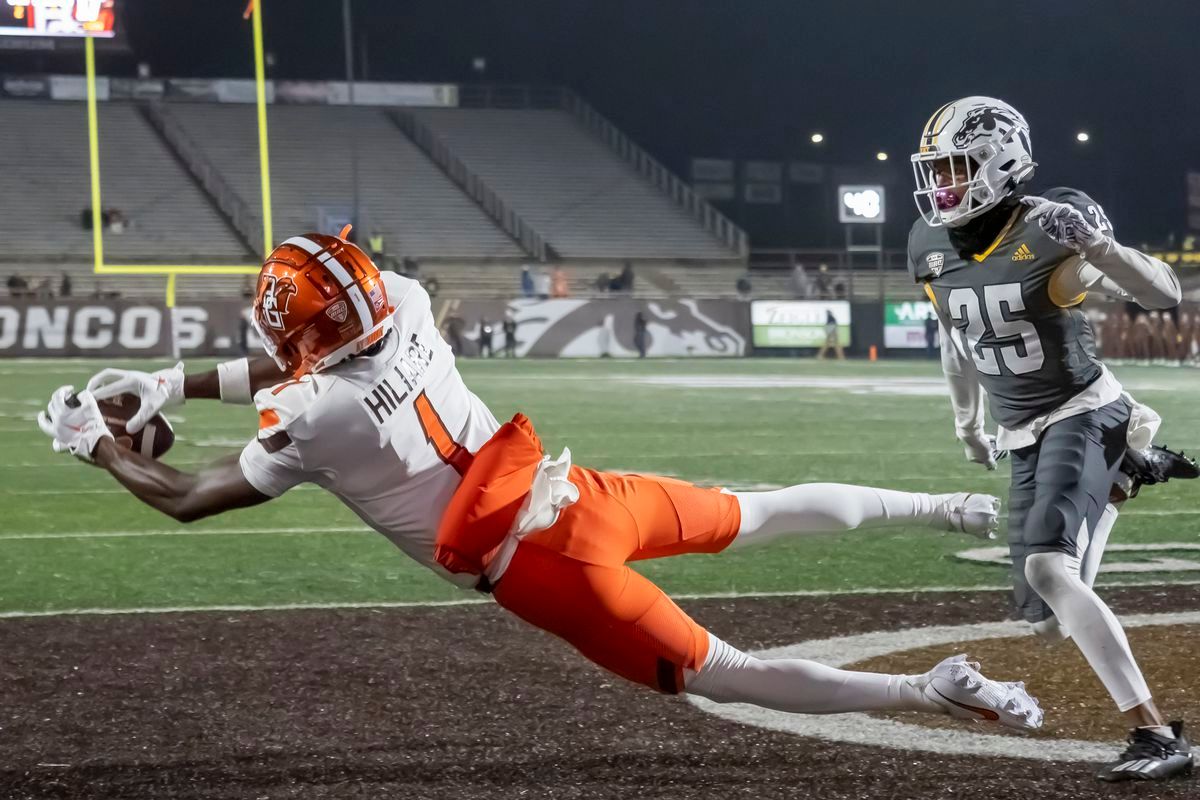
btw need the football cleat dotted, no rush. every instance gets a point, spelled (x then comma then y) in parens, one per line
(960, 689)
(1151, 757)
(1154, 464)
(966, 512)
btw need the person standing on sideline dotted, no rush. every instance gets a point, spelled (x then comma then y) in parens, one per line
(640, 334)
(485, 338)
(526, 281)
(931, 335)
(375, 243)
(510, 336)
(559, 286)
(831, 338)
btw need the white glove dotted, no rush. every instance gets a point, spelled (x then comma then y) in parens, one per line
(1063, 223)
(980, 448)
(76, 429)
(155, 390)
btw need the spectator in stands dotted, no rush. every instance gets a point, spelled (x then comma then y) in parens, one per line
(831, 338)
(115, 220)
(17, 286)
(559, 286)
(744, 286)
(410, 267)
(526, 281)
(801, 284)
(45, 288)
(376, 245)
(603, 282)
(541, 285)
(931, 335)
(510, 335)
(822, 287)
(640, 334)
(626, 278)
(485, 338)
(454, 334)
(64, 286)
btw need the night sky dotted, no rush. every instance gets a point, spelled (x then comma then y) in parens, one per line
(753, 78)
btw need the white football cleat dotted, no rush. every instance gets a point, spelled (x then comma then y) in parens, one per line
(957, 686)
(967, 512)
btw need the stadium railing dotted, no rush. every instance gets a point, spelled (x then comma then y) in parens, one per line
(475, 187)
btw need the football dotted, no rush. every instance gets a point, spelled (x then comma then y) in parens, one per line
(153, 440)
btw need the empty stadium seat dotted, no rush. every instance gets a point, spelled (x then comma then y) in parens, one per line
(420, 212)
(569, 186)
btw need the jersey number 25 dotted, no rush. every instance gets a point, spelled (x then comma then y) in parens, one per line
(964, 308)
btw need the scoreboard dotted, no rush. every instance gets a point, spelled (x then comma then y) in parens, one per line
(58, 18)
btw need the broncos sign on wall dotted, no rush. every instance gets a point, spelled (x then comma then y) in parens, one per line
(580, 328)
(596, 328)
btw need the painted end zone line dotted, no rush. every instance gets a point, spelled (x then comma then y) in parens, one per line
(475, 601)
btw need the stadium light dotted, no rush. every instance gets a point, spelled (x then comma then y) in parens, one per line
(1082, 137)
(881, 156)
(817, 138)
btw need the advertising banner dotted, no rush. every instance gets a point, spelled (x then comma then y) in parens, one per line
(798, 323)
(122, 328)
(546, 328)
(597, 328)
(904, 324)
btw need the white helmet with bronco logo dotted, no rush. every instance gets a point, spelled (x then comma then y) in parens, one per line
(980, 146)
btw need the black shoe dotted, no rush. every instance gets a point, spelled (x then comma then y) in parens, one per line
(1155, 464)
(1151, 757)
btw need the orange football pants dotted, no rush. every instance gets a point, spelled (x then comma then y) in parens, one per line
(572, 579)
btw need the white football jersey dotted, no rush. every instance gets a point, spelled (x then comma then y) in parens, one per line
(385, 433)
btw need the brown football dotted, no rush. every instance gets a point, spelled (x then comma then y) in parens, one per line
(153, 440)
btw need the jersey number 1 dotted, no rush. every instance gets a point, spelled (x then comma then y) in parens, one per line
(964, 307)
(439, 436)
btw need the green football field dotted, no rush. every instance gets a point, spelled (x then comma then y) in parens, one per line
(70, 538)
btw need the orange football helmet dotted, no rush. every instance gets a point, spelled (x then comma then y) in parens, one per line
(320, 300)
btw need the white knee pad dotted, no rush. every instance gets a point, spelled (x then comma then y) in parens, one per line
(1051, 573)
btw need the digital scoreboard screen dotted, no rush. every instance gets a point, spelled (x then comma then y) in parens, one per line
(57, 18)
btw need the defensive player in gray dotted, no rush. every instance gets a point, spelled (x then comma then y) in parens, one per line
(1006, 272)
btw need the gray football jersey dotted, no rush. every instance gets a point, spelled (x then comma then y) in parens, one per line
(1031, 352)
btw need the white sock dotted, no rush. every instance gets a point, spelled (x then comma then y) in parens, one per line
(826, 507)
(799, 686)
(1093, 626)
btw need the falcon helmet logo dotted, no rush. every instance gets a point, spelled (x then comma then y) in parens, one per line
(981, 123)
(275, 298)
(935, 262)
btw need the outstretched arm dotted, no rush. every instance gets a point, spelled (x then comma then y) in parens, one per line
(184, 496)
(231, 382)
(234, 381)
(1104, 264)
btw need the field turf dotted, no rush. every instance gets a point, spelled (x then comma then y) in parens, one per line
(71, 538)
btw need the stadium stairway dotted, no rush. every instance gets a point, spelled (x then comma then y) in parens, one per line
(570, 187)
(45, 172)
(402, 195)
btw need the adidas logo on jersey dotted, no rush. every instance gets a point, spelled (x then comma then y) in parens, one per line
(1023, 253)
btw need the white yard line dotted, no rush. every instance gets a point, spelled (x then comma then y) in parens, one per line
(863, 729)
(468, 601)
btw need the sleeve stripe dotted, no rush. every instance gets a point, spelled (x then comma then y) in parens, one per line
(276, 442)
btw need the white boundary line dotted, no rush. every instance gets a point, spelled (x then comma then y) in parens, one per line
(867, 730)
(468, 601)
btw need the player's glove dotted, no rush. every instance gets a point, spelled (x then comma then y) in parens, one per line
(980, 448)
(155, 390)
(74, 423)
(1063, 223)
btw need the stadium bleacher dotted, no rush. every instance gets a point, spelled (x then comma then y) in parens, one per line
(46, 179)
(420, 212)
(571, 188)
